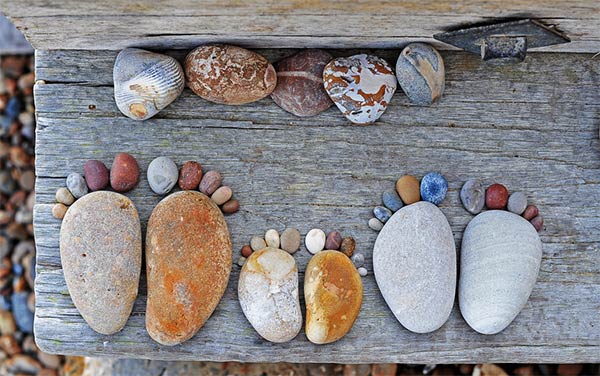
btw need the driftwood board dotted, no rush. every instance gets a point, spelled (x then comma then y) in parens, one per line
(110, 25)
(532, 126)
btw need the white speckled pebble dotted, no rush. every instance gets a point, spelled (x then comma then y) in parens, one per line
(363, 271)
(315, 240)
(375, 224)
(257, 243)
(272, 238)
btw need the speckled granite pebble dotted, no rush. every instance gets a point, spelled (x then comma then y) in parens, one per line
(434, 188)
(315, 240)
(391, 200)
(290, 240)
(101, 256)
(517, 202)
(76, 185)
(375, 224)
(472, 196)
(421, 74)
(382, 213)
(162, 175)
(190, 175)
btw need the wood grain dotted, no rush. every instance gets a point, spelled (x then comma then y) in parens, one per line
(113, 25)
(532, 126)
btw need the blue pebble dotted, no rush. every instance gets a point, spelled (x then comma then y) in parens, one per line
(13, 108)
(17, 269)
(32, 269)
(391, 200)
(434, 188)
(23, 316)
(381, 213)
(5, 303)
(5, 122)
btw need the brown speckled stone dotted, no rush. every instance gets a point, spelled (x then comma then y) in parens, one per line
(124, 173)
(348, 246)
(101, 255)
(188, 256)
(231, 206)
(408, 189)
(210, 182)
(299, 87)
(229, 74)
(190, 175)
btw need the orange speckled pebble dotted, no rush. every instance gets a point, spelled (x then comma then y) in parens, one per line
(188, 257)
(333, 293)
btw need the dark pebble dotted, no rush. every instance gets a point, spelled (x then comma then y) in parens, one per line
(333, 241)
(531, 211)
(246, 251)
(348, 246)
(190, 175)
(231, 206)
(496, 196)
(210, 182)
(381, 213)
(124, 173)
(96, 175)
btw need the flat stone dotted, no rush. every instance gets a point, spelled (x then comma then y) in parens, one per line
(290, 240)
(333, 293)
(375, 224)
(382, 213)
(101, 256)
(268, 294)
(472, 196)
(299, 87)
(162, 175)
(499, 263)
(391, 200)
(76, 185)
(257, 243)
(414, 262)
(272, 238)
(361, 86)
(517, 203)
(421, 74)
(408, 189)
(188, 261)
(315, 240)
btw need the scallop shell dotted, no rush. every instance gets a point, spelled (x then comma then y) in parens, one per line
(146, 82)
(499, 263)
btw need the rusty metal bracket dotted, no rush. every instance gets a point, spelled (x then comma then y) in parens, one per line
(505, 40)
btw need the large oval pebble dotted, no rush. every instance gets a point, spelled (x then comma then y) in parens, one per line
(229, 74)
(421, 74)
(499, 263)
(361, 86)
(188, 257)
(268, 294)
(333, 294)
(101, 256)
(414, 261)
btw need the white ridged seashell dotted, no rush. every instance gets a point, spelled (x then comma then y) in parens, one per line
(499, 263)
(146, 82)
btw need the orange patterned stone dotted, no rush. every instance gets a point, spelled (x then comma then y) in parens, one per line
(188, 257)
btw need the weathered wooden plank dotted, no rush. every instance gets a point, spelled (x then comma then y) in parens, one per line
(274, 24)
(533, 127)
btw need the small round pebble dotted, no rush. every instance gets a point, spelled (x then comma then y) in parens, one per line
(358, 259)
(210, 182)
(348, 246)
(375, 224)
(382, 213)
(434, 188)
(96, 175)
(76, 185)
(190, 175)
(162, 175)
(315, 240)
(222, 195)
(257, 243)
(333, 241)
(472, 196)
(246, 251)
(391, 200)
(59, 210)
(290, 240)
(231, 206)
(124, 173)
(496, 196)
(241, 261)
(272, 238)
(531, 211)
(63, 196)
(537, 222)
(408, 189)
(362, 271)
(517, 203)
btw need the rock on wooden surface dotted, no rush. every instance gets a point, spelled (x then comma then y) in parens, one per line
(532, 104)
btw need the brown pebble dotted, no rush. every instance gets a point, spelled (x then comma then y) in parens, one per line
(531, 211)
(19, 157)
(246, 251)
(496, 196)
(333, 241)
(231, 206)
(537, 222)
(27, 180)
(408, 189)
(348, 246)
(210, 182)
(64, 196)
(124, 173)
(96, 175)
(190, 175)
(222, 195)
(9, 345)
(59, 210)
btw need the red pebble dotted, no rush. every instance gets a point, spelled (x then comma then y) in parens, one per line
(96, 175)
(190, 175)
(531, 211)
(124, 173)
(246, 251)
(496, 196)
(231, 206)
(537, 222)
